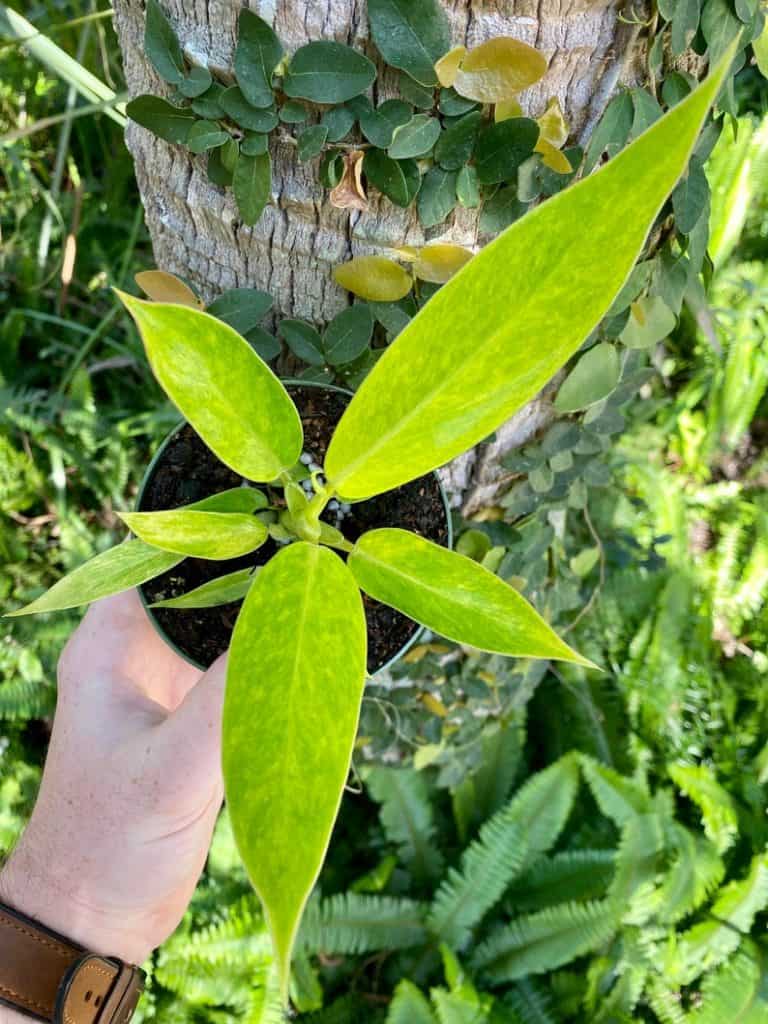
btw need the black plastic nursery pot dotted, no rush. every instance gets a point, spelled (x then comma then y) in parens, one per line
(184, 470)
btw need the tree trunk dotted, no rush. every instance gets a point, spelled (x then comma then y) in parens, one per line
(300, 237)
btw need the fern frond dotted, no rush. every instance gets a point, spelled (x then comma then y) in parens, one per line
(265, 1004)
(729, 920)
(353, 923)
(547, 939)
(618, 797)
(349, 1009)
(718, 812)
(572, 875)
(665, 1002)
(406, 817)
(488, 865)
(735, 993)
(409, 1006)
(242, 938)
(694, 874)
(637, 863)
(531, 1003)
(541, 807)
(485, 790)
(25, 699)
(459, 1006)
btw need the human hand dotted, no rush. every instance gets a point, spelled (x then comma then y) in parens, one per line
(130, 792)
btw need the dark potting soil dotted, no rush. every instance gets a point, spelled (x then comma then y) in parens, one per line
(189, 471)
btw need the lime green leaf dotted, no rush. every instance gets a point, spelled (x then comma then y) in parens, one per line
(252, 185)
(552, 274)
(594, 376)
(718, 811)
(502, 147)
(374, 278)
(241, 308)
(498, 70)
(258, 53)
(243, 113)
(294, 685)
(111, 572)
(224, 589)
(437, 197)
(161, 117)
(235, 499)
(650, 321)
(399, 180)
(348, 334)
(161, 45)
(410, 36)
(213, 535)
(229, 395)
(205, 135)
(416, 138)
(452, 595)
(760, 50)
(198, 81)
(328, 72)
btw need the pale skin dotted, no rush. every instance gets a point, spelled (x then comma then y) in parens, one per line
(130, 793)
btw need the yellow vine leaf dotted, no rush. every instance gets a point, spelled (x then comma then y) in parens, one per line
(447, 66)
(374, 278)
(506, 109)
(498, 70)
(552, 157)
(163, 287)
(552, 124)
(438, 262)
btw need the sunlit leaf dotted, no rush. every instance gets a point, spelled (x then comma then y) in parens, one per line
(594, 376)
(163, 287)
(439, 261)
(447, 66)
(228, 394)
(452, 595)
(294, 685)
(410, 36)
(258, 53)
(212, 535)
(552, 158)
(498, 70)
(120, 568)
(552, 124)
(466, 362)
(506, 109)
(650, 321)
(328, 72)
(374, 278)
(223, 590)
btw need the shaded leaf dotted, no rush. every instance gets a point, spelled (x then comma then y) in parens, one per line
(303, 340)
(257, 54)
(252, 185)
(348, 335)
(437, 197)
(206, 135)
(455, 145)
(594, 377)
(161, 45)
(311, 142)
(198, 81)
(236, 106)
(328, 72)
(241, 308)
(416, 138)
(501, 148)
(379, 125)
(222, 590)
(161, 118)
(398, 180)
(410, 36)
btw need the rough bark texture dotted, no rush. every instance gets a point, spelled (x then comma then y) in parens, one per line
(291, 251)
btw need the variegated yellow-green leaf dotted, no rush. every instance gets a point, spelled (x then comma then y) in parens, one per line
(447, 67)
(294, 685)
(439, 261)
(111, 572)
(498, 70)
(229, 395)
(453, 595)
(213, 535)
(163, 287)
(467, 361)
(374, 278)
(235, 499)
(231, 587)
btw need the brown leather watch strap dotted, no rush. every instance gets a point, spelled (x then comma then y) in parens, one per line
(47, 977)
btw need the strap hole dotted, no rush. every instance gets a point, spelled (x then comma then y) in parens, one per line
(88, 995)
(97, 1000)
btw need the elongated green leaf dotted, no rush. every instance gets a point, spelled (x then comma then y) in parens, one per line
(228, 394)
(224, 589)
(161, 45)
(162, 118)
(294, 686)
(235, 499)
(452, 595)
(212, 535)
(328, 72)
(411, 36)
(257, 55)
(205, 135)
(111, 572)
(551, 276)
(252, 185)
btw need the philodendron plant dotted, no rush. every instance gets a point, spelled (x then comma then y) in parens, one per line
(483, 346)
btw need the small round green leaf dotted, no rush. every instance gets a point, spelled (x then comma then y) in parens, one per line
(328, 72)
(303, 340)
(161, 118)
(348, 335)
(241, 308)
(198, 81)
(206, 135)
(416, 138)
(411, 36)
(380, 125)
(502, 147)
(311, 142)
(398, 180)
(437, 197)
(594, 377)
(236, 106)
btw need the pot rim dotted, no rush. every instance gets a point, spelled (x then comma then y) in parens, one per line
(287, 382)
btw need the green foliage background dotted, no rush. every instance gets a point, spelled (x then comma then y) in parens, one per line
(521, 843)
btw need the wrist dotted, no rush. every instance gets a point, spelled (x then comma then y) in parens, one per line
(65, 906)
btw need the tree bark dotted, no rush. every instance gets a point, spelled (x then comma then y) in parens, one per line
(292, 250)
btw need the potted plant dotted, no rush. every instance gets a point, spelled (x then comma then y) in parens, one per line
(478, 350)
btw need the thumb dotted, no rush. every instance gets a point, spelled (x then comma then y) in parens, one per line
(194, 728)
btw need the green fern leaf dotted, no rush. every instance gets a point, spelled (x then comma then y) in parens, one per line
(530, 1003)
(406, 817)
(409, 1006)
(637, 864)
(349, 1009)
(718, 812)
(618, 797)
(481, 794)
(573, 875)
(360, 923)
(265, 1006)
(541, 807)
(736, 993)
(665, 1002)
(694, 874)
(487, 867)
(459, 1006)
(709, 943)
(547, 939)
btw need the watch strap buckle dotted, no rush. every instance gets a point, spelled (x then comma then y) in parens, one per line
(98, 990)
